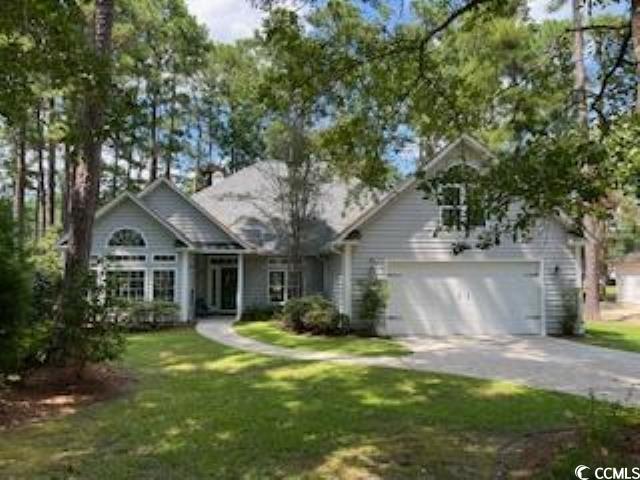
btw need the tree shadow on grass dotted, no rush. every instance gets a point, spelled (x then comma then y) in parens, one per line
(203, 410)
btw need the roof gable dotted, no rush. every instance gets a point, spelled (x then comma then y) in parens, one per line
(196, 223)
(128, 196)
(465, 149)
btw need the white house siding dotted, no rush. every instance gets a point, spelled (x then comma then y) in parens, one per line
(333, 280)
(174, 209)
(404, 230)
(628, 282)
(313, 276)
(158, 241)
(255, 281)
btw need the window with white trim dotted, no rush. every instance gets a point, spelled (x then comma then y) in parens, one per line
(283, 283)
(126, 258)
(126, 284)
(452, 207)
(127, 237)
(460, 206)
(164, 285)
(164, 258)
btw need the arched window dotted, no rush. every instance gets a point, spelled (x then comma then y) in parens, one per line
(126, 237)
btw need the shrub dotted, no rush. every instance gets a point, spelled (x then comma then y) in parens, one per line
(259, 314)
(145, 315)
(374, 300)
(85, 329)
(570, 320)
(314, 314)
(15, 293)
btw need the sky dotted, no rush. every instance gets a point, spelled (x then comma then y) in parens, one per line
(230, 20)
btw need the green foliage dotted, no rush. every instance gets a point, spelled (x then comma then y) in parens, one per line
(15, 296)
(375, 296)
(146, 315)
(46, 256)
(85, 330)
(259, 314)
(314, 314)
(570, 320)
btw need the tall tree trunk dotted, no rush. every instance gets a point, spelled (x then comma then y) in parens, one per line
(129, 156)
(66, 187)
(20, 181)
(114, 177)
(169, 152)
(51, 169)
(84, 191)
(41, 209)
(153, 160)
(635, 35)
(591, 225)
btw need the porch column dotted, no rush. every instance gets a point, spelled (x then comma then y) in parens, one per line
(346, 279)
(240, 287)
(185, 296)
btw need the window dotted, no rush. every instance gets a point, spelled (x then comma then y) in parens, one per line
(452, 209)
(164, 258)
(460, 205)
(164, 285)
(283, 284)
(127, 258)
(276, 286)
(126, 284)
(126, 237)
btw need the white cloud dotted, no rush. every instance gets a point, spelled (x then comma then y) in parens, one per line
(539, 10)
(227, 20)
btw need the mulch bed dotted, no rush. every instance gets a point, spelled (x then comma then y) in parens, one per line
(53, 391)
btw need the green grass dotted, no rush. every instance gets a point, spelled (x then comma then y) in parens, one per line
(202, 410)
(270, 332)
(611, 334)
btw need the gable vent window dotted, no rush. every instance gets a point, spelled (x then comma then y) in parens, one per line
(164, 258)
(127, 237)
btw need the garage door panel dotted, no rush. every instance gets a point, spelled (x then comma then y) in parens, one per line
(472, 298)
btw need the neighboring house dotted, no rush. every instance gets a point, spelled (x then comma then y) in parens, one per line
(627, 270)
(223, 251)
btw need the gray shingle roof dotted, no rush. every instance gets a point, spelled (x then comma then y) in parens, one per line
(247, 202)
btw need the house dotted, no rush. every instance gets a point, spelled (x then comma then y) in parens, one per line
(627, 271)
(222, 251)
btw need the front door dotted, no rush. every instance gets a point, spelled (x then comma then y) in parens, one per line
(228, 287)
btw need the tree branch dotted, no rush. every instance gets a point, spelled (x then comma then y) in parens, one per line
(616, 65)
(596, 27)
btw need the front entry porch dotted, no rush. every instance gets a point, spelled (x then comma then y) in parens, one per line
(219, 284)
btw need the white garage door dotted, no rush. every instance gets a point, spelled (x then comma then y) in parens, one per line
(464, 298)
(628, 288)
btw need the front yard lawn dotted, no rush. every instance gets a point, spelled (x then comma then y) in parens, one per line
(203, 410)
(612, 334)
(271, 332)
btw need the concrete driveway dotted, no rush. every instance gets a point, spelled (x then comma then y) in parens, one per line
(544, 362)
(541, 362)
